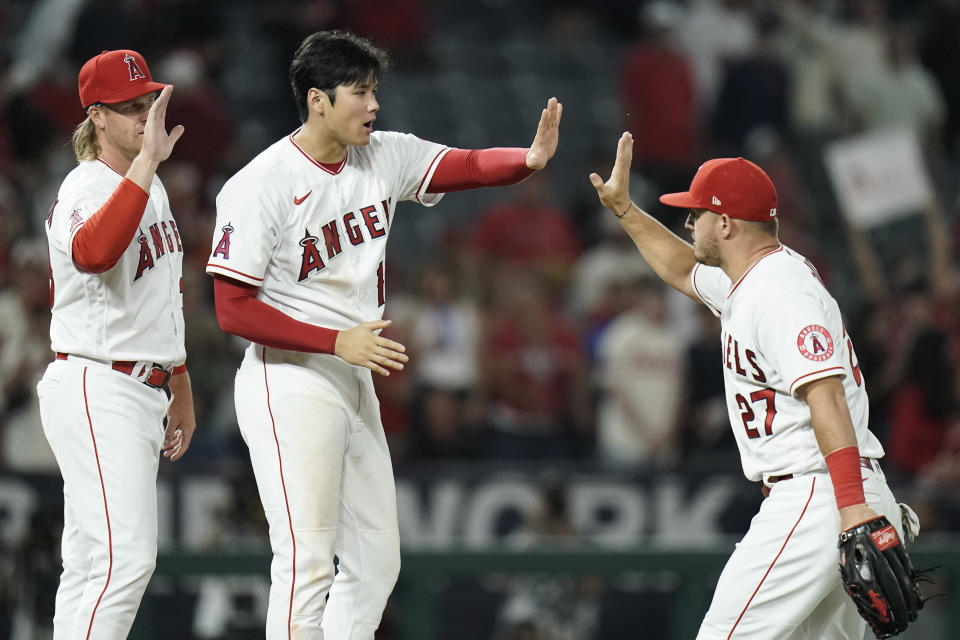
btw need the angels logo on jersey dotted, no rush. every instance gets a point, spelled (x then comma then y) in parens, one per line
(146, 258)
(815, 343)
(223, 247)
(75, 220)
(310, 258)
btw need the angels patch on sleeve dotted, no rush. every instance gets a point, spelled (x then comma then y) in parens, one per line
(75, 220)
(815, 343)
(223, 247)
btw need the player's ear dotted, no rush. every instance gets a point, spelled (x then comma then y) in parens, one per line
(726, 225)
(96, 114)
(317, 101)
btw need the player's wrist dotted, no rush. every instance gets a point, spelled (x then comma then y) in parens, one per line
(621, 210)
(844, 467)
(532, 160)
(855, 515)
(146, 161)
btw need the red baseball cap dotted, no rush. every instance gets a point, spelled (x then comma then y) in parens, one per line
(733, 186)
(115, 76)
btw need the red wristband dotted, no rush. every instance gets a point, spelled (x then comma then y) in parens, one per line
(180, 368)
(844, 467)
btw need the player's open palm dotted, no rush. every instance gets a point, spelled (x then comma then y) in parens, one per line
(548, 136)
(615, 192)
(363, 347)
(157, 143)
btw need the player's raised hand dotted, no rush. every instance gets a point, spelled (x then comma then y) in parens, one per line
(362, 347)
(548, 136)
(615, 192)
(157, 143)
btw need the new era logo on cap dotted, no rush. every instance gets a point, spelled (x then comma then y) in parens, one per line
(115, 76)
(733, 186)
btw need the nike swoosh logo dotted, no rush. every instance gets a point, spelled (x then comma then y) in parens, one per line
(300, 200)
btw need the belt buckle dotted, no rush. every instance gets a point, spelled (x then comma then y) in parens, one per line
(157, 377)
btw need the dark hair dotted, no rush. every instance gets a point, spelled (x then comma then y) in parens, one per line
(328, 59)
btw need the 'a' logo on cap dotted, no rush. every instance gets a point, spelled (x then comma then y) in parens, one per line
(133, 68)
(773, 212)
(716, 201)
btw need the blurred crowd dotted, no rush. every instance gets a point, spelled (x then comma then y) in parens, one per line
(534, 328)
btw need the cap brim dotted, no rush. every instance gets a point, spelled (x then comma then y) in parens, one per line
(683, 200)
(131, 92)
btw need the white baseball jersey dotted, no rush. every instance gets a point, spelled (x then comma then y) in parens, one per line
(313, 237)
(134, 310)
(780, 330)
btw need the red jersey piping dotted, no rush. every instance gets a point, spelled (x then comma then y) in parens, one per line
(696, 267)
(779, 553)
(108, 165)
(793, 385)
(734, 288)
(286, 500)
(332, 169)
(106, 510)
(429, 172)
(241, 273)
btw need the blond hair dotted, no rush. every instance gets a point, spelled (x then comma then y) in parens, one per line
(85, 145)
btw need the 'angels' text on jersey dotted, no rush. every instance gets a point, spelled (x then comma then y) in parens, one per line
(132, 311)
(312, 236)
(781, 329)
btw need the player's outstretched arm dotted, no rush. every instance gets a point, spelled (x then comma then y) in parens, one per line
(362, 347)
(181, 420)
(669, 256)
(548, 136)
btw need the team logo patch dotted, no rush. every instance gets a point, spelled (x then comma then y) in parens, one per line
(135, 72)
(815, 343)
(223, 247)
(885, 538)
(75, 220)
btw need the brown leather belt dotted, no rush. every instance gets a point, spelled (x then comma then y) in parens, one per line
(866, 463)
(157, 376)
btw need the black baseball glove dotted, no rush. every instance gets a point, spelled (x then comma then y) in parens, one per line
(878, 575)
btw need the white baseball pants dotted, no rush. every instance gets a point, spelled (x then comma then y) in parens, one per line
(105, 429)
(323, 469)
(782, 581)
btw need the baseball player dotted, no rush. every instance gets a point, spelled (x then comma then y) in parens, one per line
(298, 257)
(117, 330)
(795, 396)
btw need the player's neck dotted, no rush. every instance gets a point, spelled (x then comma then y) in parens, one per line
(317, 143)
(117, 160)
(737, 266)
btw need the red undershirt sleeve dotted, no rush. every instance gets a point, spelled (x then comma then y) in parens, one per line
(240, 313)
(100, 242)
(462, 169)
